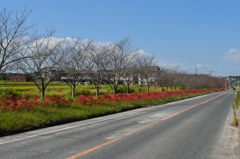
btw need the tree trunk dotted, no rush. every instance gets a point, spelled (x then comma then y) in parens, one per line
(171, 88)
(155, 89)
(42, 94)
(115, 91)
(139, 89)
(97, 91)
(161, 89)
(73, 90)
(127, 88)
(147, 88)
(43, 90)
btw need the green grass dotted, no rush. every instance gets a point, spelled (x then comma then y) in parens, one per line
(235, 103)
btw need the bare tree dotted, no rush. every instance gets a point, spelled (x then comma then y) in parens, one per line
(98, 57)
(166, 77)
(199, 81)
(175, 77)
(13, 32)
(176, 73)
(128, 77)
(145, 69)
(120, 59)
(159, 80)
(45, 61)
(218, 82)
(76, 65)
(191, 81)
(182, 80)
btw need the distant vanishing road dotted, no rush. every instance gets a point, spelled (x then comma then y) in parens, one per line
(187, 129)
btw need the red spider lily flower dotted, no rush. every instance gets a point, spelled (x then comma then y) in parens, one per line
(35, 96)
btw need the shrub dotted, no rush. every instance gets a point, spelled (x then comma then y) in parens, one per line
(6, 92)
(131, 90)
(81, 91)
(101, 92)
(121, 89)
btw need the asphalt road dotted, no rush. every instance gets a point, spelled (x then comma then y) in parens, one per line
(187, 129)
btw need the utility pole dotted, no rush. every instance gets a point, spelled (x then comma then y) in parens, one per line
(225, 84)
(229, 83)
(196, 70)
(210, 77)
(210, 73)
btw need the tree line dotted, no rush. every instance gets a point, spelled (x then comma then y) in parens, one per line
(115, 63)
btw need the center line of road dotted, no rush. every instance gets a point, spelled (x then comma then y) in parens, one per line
(130, 133)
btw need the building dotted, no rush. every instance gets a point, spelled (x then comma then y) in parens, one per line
(52, 74)
(20, 78)
(143, 75)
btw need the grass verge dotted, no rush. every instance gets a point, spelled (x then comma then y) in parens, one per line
(235, 103)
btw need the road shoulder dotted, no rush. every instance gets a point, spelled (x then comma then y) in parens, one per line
(227, 148)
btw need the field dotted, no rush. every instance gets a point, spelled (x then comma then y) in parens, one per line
(63, 89)
(21, 108)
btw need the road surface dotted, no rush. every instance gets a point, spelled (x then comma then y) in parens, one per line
(187, 129)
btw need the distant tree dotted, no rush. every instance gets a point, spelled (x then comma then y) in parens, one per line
(183, 80)
(166, 77)
(159, 79)
(176, 73)
(129, 76)
(4, 77)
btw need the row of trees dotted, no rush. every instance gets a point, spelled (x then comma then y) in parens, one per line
(76, 60)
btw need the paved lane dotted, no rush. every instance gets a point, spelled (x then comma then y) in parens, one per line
(185, 129)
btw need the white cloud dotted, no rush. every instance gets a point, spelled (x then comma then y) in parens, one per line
(170, 63)
(233, 55)
(142, 52)
(199, 65)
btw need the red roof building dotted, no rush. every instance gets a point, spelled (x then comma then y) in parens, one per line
(20, 79)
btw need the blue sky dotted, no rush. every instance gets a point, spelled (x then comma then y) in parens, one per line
(203, 33)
